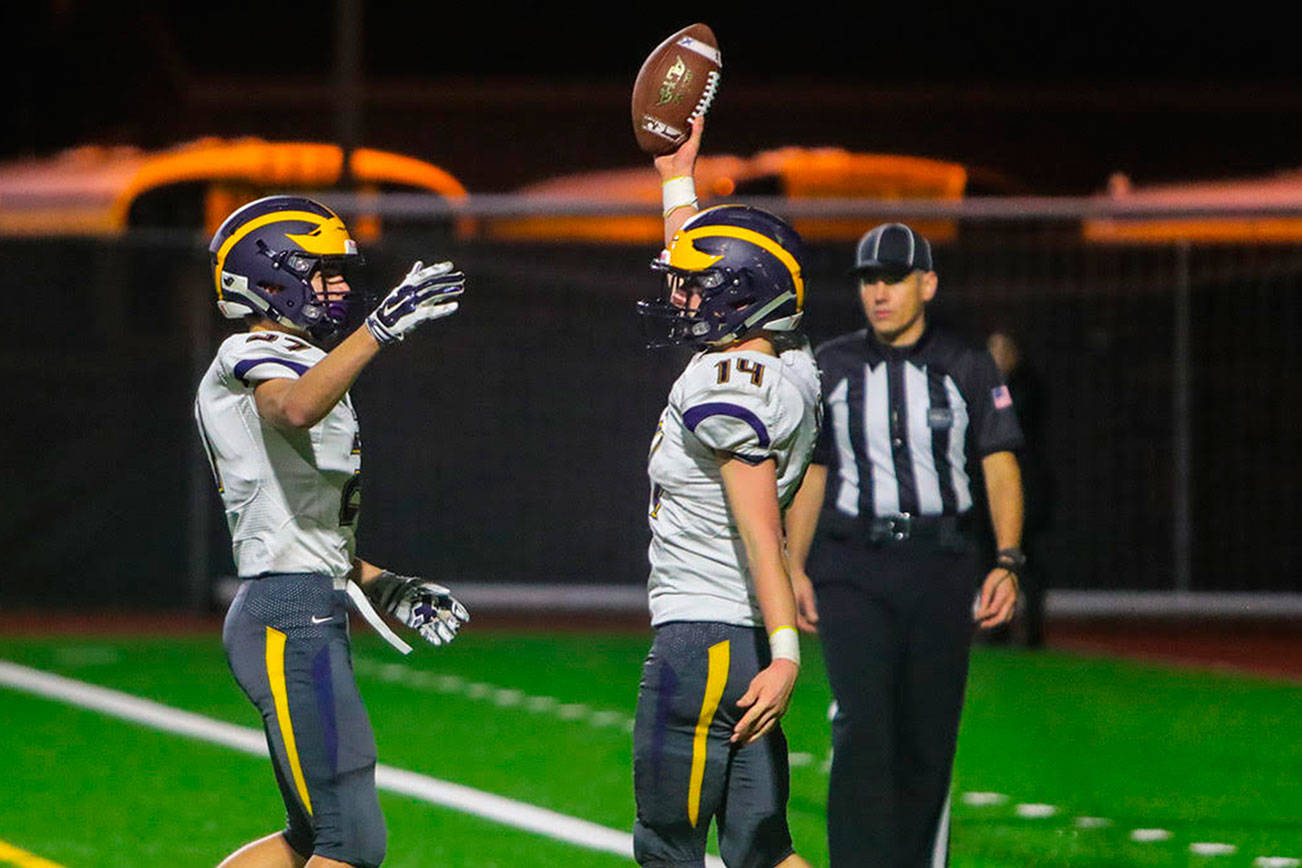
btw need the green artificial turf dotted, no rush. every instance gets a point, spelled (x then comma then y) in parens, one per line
(543, 718)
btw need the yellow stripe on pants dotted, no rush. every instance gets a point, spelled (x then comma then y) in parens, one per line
(715, 680)
(276, 675)
(13, 856)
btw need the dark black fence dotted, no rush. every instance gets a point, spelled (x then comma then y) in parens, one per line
(508, 443)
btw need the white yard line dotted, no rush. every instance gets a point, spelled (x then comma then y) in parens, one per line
(457, 797)
(155, 715)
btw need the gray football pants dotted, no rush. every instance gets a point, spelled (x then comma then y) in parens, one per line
(686, 770)
(286, 638)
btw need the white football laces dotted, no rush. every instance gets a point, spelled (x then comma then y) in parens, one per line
(707, 96)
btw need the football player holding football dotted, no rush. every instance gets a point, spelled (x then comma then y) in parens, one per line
(728, 455)
(280, 431)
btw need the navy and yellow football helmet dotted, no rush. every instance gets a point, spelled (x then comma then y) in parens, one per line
(264, 256)
(742, 263)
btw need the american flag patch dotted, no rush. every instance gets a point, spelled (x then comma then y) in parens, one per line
(1003, 398)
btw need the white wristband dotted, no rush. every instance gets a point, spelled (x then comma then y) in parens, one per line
(784, 642)
(678, 193)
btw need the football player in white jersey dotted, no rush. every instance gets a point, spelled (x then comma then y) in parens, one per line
(280, 431)
(727, 457)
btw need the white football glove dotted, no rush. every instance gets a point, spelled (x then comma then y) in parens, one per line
(428, 292)
(426, 607)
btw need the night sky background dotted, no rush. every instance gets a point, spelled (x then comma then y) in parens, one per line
(1039, 98)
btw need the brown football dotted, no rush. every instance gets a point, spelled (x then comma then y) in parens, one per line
(676, 83)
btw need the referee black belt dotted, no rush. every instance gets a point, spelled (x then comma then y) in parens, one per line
(903, 527)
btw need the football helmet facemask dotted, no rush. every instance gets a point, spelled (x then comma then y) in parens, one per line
(265, 254)
(744, 266)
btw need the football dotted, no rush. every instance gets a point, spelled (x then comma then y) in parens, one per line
(677, 82)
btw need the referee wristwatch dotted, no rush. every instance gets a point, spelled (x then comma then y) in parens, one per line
(1011, 559)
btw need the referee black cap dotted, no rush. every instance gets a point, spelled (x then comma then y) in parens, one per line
(891, 250)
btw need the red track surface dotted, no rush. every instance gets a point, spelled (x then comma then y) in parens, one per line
(1266, 647)
(133, 623)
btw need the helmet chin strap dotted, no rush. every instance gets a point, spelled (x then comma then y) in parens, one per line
(758, 316)
(756, 321)
(786, 323)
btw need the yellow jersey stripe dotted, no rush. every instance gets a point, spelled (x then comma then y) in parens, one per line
(13, 856)
(715, 680)
(276, 675)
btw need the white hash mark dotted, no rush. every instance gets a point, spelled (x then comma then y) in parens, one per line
(1149, 835)
(1092, 822)
(572, 711)
(1209, 848)
(541, 703)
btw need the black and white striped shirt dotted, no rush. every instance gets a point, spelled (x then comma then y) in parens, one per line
(902, 424)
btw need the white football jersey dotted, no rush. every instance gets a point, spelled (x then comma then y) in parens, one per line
(291, 497)
(751, 405)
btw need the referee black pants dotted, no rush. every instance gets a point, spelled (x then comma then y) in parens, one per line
(896, 624)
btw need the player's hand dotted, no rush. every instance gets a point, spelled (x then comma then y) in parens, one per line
(766, 700)
(997, 600)
(426, 607)
(428, 292)
(682, 161)
(806, 606)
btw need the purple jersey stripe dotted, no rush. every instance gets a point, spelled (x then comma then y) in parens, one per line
(242, 368)
(695, 415)
(324, 687)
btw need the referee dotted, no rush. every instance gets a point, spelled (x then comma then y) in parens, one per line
(888, 575)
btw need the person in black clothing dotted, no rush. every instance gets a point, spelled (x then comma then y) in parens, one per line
(1030, 402)
(888, 574)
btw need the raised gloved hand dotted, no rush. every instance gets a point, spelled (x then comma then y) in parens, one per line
(428, 292)
(426, 607)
